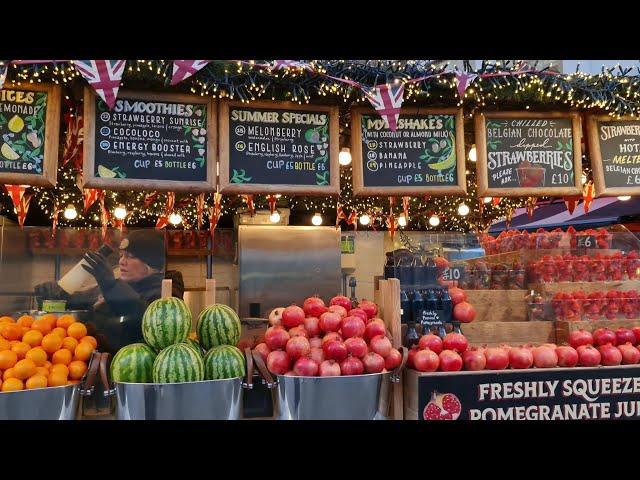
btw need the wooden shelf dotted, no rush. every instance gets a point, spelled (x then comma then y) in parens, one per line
(550, 289)
(70, 252)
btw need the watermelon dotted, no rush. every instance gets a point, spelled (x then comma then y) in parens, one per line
(178, 363)
(166, 321)
(218, 325)
(225, 361)
(133, 364)
(194, 344)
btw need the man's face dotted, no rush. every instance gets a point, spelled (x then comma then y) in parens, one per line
(132, 268)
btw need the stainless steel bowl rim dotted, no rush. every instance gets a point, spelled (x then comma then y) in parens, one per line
(336, 376)
(38, 389)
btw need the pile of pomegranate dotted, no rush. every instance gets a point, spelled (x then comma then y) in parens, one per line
(326, 341)
(585, 349)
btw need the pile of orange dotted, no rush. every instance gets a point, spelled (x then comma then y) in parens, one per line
(47, 352)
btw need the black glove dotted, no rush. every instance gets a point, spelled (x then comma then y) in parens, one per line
(100, 269)
(50, 291)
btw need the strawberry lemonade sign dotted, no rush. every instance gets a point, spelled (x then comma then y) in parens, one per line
(425, 155)
(159, 141)
(29, 127)
(524, 153)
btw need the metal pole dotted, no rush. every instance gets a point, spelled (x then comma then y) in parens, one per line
(210, 258)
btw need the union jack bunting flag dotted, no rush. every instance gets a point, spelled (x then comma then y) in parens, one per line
(104, 76)
(183, 69)
(280, 64)
(463, 80)
(387, 100)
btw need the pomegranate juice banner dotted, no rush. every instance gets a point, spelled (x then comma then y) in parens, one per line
(603, 393)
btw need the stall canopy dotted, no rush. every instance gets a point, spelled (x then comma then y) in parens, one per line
(603, 211)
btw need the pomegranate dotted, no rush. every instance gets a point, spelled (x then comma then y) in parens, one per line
(330, 322)
(588, 355)
(275, 317)
(442, 263)
(276, 338)
(311, 326)
(331, 336)
(339, 309)
(335, 350)
(455, 341)
(317, 355)
(497, 358)
(625, 335)
(410, 357)
(263, 350)
(580, 337)
(298, 331)
(356, 346)
(431, 341)
(636, 332)
(602, 336)
(292, 316)
(457, 295)
(315, 342)
(474, 360)
(442, 407)
(278, 362)
(520, 357)
(610, 355)
(567, 356)
(630, 354)
(381, 345)
(450, 361)
(373, 329)
(393, 360)
(305, 367)
(545, 357)
(351, 366)
(373, 363)
(341, 300)
(352, 327)
(329, 368)
(426, 360)
(298, 347)
(464, 312)
(358, 312)
(370, 308)
(290, 373)
(314, 306)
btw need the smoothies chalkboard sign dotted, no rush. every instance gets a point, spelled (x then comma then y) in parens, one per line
(29, 131)
(528, 154)
(614, 146)
(149, 140)
(278, 147)
(425, 155)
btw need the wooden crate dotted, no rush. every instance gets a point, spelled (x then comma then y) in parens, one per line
(411, 394)
(498, 305)
(564, 327)
(548, 290)
(514, 333)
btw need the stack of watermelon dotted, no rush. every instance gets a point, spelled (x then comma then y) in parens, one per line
(171, 355)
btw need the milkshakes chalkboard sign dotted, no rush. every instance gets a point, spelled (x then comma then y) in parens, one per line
(278, 147)
(29, 131)
(614, 147)
(528, 154)
(159, 141)
(425, 155)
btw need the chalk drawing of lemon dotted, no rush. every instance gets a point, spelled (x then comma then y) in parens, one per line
(104, 172)
(16, 124)
(8, 153)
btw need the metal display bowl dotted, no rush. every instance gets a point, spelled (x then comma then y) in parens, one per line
(51, 403)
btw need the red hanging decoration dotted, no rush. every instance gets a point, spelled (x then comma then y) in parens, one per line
(496, 201)
(391, 225)
(21, 205)
(163, 220)
(104, 215)
(90, 195)
(74, 137)
(200, 209)
(352, 219)
(588, 194)
(340, 215)
(214, 213)
(571, 203)
(509, 217)
(531, 205)
(272, 203)
(250, 206)
(405, 206)
(150, 198)
(183, 69)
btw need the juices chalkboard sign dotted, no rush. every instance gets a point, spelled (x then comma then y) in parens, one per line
(150, 141)
(425, 155)
(29, 131)
(279, 147)
(614, 148)
(528, 154)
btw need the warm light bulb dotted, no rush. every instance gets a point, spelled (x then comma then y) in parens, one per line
(274, 217)
(120, 212)
(175, 219)
(344, 157)
(434, 220)
(316, 219)
(365, 219)
(70, 212)
(487, 199)
(624, 198)
(402, 220)
(472, 153)
(463, 209)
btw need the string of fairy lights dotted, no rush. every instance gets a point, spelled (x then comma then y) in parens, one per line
(499, 85)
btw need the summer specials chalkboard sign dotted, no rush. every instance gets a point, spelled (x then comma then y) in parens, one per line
(528, 154)
(425, 155)
(150, 141)
(29, 127)
(614, 147)
(279, 147)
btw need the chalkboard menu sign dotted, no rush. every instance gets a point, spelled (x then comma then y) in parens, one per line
(30, 129)
(279, 147)
(149, 140)
(425, 155)
(528, 154)
(614, 148)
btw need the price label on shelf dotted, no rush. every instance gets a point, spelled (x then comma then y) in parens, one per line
(453, 273)
(586, 241)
